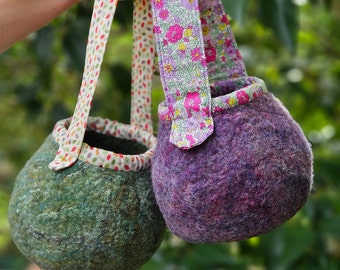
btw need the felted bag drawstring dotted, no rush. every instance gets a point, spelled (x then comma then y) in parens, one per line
(96, 208)
(230, 162)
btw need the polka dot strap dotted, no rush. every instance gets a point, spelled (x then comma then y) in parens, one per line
(69, 133)
(142, 65)
(102, 16)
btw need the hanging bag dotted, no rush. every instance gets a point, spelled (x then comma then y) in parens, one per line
(230, 161)
(94, 207)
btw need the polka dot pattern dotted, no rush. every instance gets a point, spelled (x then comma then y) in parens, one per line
(69, 133)
(142, 65)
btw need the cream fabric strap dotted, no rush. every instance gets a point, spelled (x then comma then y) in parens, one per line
(71, 139)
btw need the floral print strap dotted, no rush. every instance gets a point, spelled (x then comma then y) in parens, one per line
(222, 55)
(183, 69)
(142, 65)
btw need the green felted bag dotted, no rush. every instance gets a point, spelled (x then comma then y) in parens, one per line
(91, 205)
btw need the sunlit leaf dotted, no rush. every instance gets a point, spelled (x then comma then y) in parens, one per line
(4, 231)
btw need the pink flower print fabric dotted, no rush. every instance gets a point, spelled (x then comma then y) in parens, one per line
(201, 68)
(192, 102)
(223, 57)
(174, 33)
(183, 69)
(251, 88)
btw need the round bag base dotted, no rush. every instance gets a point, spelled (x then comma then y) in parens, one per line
(250, 176)
(85, 217)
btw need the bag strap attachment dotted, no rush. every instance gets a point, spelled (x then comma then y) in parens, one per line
(69, 133)
(102, 16)
(183, 69)
(197, 54)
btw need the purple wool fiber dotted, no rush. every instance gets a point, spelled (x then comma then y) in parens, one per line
(254, 173)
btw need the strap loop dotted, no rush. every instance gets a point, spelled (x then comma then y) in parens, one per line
(102, 16)
(69, 135)
(197, 53)
(183, 69)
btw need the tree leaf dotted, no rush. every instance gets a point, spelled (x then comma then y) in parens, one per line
(282, 17)
(235, 9)
(284, 245)
(74, 41)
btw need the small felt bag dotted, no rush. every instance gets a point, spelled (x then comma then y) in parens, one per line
(230, 162)
(96, 208)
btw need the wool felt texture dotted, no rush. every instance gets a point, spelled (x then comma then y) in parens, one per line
(250, 176)
(85, 217)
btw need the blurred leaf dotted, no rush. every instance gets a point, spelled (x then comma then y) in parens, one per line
(29, 98)
(124, 13)
(235, 9)
(285, 244)
(329, 3)
(211, 256)
(330, 227)
(154, 264)
(75, 40)
(282, 17)
(4, 231)
(13, 263)
(42, 44)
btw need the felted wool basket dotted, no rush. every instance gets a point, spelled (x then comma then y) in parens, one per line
(86, 216)
(250, 176)
(230, 162)
(85, 200)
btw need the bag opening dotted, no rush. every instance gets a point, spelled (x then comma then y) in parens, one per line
(110, 143)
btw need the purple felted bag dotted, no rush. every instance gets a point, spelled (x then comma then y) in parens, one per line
(230, 162)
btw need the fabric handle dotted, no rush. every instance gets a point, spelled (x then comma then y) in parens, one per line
(102, 16)
(195, 48)
(142, 65)
(223, 58)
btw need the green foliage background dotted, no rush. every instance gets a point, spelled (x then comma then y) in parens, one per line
(295, 49)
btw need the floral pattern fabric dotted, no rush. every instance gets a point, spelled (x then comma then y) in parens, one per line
(223, 57)
(197, 54)
(69, 133)
(183, 69)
